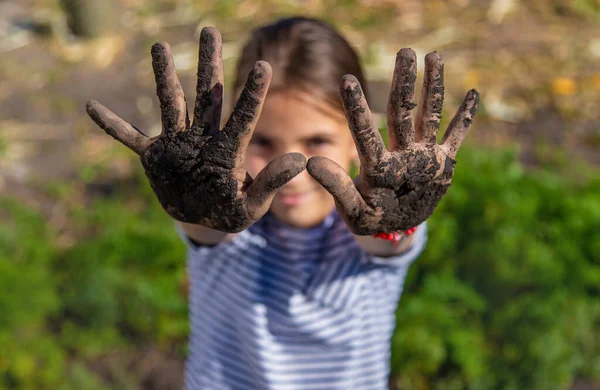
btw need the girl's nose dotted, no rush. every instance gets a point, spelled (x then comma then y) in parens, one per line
(301, 181)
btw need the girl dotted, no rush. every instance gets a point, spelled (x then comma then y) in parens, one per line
(295, 268)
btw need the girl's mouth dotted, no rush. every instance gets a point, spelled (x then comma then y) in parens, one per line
(292, 200)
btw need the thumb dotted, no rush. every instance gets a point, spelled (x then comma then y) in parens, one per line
(278, 172)
(336, 181)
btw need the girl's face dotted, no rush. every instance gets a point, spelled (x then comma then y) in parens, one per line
(293, 121)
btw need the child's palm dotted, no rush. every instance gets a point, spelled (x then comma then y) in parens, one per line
(398, 188)
(197, 171)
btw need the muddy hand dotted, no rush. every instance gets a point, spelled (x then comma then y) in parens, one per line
(398, 188)
(197, 171)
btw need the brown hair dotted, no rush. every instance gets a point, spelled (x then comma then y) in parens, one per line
(304, 53)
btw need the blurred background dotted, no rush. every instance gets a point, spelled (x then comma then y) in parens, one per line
(92, 273)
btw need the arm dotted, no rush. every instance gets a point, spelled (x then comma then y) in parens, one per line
(399, 188)
(382, 248)
(197, 169)
(203, 235)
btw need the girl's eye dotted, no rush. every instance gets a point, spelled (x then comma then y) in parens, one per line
(259, 141)
(318, 142)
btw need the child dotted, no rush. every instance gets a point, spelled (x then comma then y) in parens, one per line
(292, 284)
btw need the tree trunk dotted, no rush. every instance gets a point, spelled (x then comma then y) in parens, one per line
(89, 18)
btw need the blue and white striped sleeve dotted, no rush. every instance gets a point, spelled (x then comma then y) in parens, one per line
(340, 280)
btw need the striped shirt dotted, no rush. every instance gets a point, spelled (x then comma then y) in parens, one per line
(288, 309)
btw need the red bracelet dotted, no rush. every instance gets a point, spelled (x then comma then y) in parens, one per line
(395, 236)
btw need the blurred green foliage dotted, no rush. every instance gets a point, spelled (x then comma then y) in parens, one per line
(586, 8)
(506, 295)
(119, 287)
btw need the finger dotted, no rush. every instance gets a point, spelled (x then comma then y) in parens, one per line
(336, 181)
(401, 102)
(367, 137)
(209, 88)
(247, 109)
(277, 173)
(168, 89)
(457, 130)
(432, 98)
(117, 127)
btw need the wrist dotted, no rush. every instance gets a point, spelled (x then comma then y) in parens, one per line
(203, 235)
(396, 237)
(387, 244)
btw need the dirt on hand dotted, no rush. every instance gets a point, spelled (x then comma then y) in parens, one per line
(197, 171)
(399, 188)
